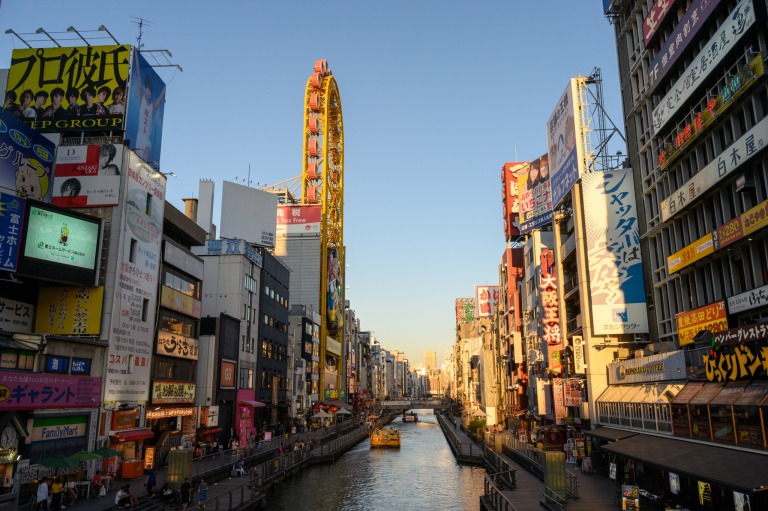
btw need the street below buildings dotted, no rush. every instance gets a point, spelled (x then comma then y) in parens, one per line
(422, 473)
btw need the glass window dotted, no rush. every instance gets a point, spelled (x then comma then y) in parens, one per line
(17, 359)
(178, 324)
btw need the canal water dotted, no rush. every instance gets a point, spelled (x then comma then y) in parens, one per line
(421, 474)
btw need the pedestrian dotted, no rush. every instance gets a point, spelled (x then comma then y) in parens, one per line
(57, 492)
(41, 501)
(186, 488)
(151, 481)
(202, 491)
(214, 448)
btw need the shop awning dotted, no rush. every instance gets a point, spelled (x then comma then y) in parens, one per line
(753, 395)
(687, 393)
(705, 395)
(610, 434)
(255, 404)
(728, 395)
(132, 435)
(209, 430)
(737, 470)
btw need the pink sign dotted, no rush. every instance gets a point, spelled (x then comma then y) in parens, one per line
(27, 391)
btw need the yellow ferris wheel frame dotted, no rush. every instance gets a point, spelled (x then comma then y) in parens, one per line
(322, 183)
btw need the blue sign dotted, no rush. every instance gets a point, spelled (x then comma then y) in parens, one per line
(56, 364)
(26, 160)
(81, 366)
(11, 219)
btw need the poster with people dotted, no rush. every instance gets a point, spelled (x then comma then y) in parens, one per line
(87, 175)
(146, 105)
(68, 89)
(535, 195)
(26, 160)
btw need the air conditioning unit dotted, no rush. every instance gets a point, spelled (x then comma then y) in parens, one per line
(623, 354)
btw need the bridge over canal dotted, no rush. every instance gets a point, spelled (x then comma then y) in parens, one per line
(410, 404)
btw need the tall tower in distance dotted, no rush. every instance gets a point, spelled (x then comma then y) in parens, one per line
(430, 361)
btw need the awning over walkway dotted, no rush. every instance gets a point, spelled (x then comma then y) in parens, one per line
(255, 404)
(610, 434)
(132, 435)
(734, 469)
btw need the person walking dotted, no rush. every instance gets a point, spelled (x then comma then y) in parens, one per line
(202, 491)
(186, 489)
(151, 482)
(57, 491)
(42, 496)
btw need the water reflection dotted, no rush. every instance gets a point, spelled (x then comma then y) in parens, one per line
(421, 474)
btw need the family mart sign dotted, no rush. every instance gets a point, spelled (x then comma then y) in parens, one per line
(58, 428)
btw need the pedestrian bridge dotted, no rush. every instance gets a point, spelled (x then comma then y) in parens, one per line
(408, 404)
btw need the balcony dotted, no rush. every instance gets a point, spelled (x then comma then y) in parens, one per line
(568, 247)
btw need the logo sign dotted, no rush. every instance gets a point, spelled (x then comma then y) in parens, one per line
(176, 345)
(51, 429)
(749, 300)
(173, 393)
(228, 370)
(711, 317)
(578, 355)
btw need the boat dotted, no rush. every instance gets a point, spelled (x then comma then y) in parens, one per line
(410, 417)
(385, 437)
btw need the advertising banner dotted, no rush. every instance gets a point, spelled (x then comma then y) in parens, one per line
(465, 310)
(699, 249)
(70, 89)
(685, 31)
(26, 160)
(751, 299)
(736, 155)
(572, 393)
(16, 316)
(176, 345)
(11, 229)
(298, 219)
(135, 302)
(710, 317)
(509, 178)
(656, 15)
(87, 176)
(20, 390)
(334, 291)
(485, 300)
(564, 152)
(166, 392)
(712, 53)
(146, 105)
(615, 265)
(536, 195)
(248, 214)
(740, 335)
(69, 310)
(559, 400)
(579, 367)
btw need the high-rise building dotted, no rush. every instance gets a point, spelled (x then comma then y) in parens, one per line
(430, 360)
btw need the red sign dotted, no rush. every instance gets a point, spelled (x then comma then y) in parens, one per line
(711, 317)
(728, 233)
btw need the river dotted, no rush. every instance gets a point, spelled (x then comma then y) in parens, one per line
(421, 474)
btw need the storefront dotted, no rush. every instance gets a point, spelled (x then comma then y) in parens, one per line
(127, 439)
(170, 426)
(245, 426)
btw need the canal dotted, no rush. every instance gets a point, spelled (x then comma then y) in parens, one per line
(421, 474)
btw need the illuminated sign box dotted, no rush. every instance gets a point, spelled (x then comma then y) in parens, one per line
(60, 244)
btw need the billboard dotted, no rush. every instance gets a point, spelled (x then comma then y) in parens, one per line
(146, 105)
(655, 17)
(535, 195)
(135, 300)
(11, 228)
(465, 310)
(87, 175)
(60, 245)
(334, 291)
(26, 160)
(710, 317)
(248, 214)
(41, 390)
(69, 310)
(16, 316)
(509, 178)
(562, 134)
(69, 89)
(298, 219)
(485, 300)
(615, 265)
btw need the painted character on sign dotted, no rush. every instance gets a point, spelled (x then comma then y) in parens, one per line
(31, 178)
(64, 236)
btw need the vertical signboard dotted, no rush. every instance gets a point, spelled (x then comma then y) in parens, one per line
(26, 160)
(11, 216)
(146, 105)
(485, 300)
(536, 195)
(135, 303)
(579, 366)
(563, 150)
(509, 178)
(615, 266)
(334, 291)
(551, 317)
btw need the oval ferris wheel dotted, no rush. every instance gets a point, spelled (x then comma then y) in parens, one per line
(322, 183)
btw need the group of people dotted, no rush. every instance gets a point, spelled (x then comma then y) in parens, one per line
(34, 106)
(56, 490)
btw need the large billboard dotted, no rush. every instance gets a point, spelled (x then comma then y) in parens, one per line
(535, 195)
(87, 175)
(248, 214)
(135, 301)
(26, 160)
(69, 310)
(69, 89)
(298, 219)
(146, 105)
(617, 292)
(562, 135)
(334, 291)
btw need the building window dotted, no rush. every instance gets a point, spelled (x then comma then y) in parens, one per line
(246, 379)
(23, 360)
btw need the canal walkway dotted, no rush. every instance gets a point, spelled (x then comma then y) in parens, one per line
(512, 486)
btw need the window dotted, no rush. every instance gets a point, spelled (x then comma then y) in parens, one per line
(134, 250)
(178, 324)
(17, 359)
(246, 379)
(181, 283)
(145, 309)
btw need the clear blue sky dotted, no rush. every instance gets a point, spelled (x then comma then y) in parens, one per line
(436, 96)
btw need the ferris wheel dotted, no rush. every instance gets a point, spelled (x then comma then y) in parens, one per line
(322, 183)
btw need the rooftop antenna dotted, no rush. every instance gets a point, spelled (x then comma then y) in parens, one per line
(140, 22)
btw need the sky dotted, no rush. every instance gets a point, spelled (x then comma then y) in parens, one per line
(436, 96)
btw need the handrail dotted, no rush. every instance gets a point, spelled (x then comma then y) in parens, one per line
(498, 500)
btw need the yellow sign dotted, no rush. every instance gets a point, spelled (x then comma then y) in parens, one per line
(710, 317)
(699, 249)
(180, 302)
(69, 310)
